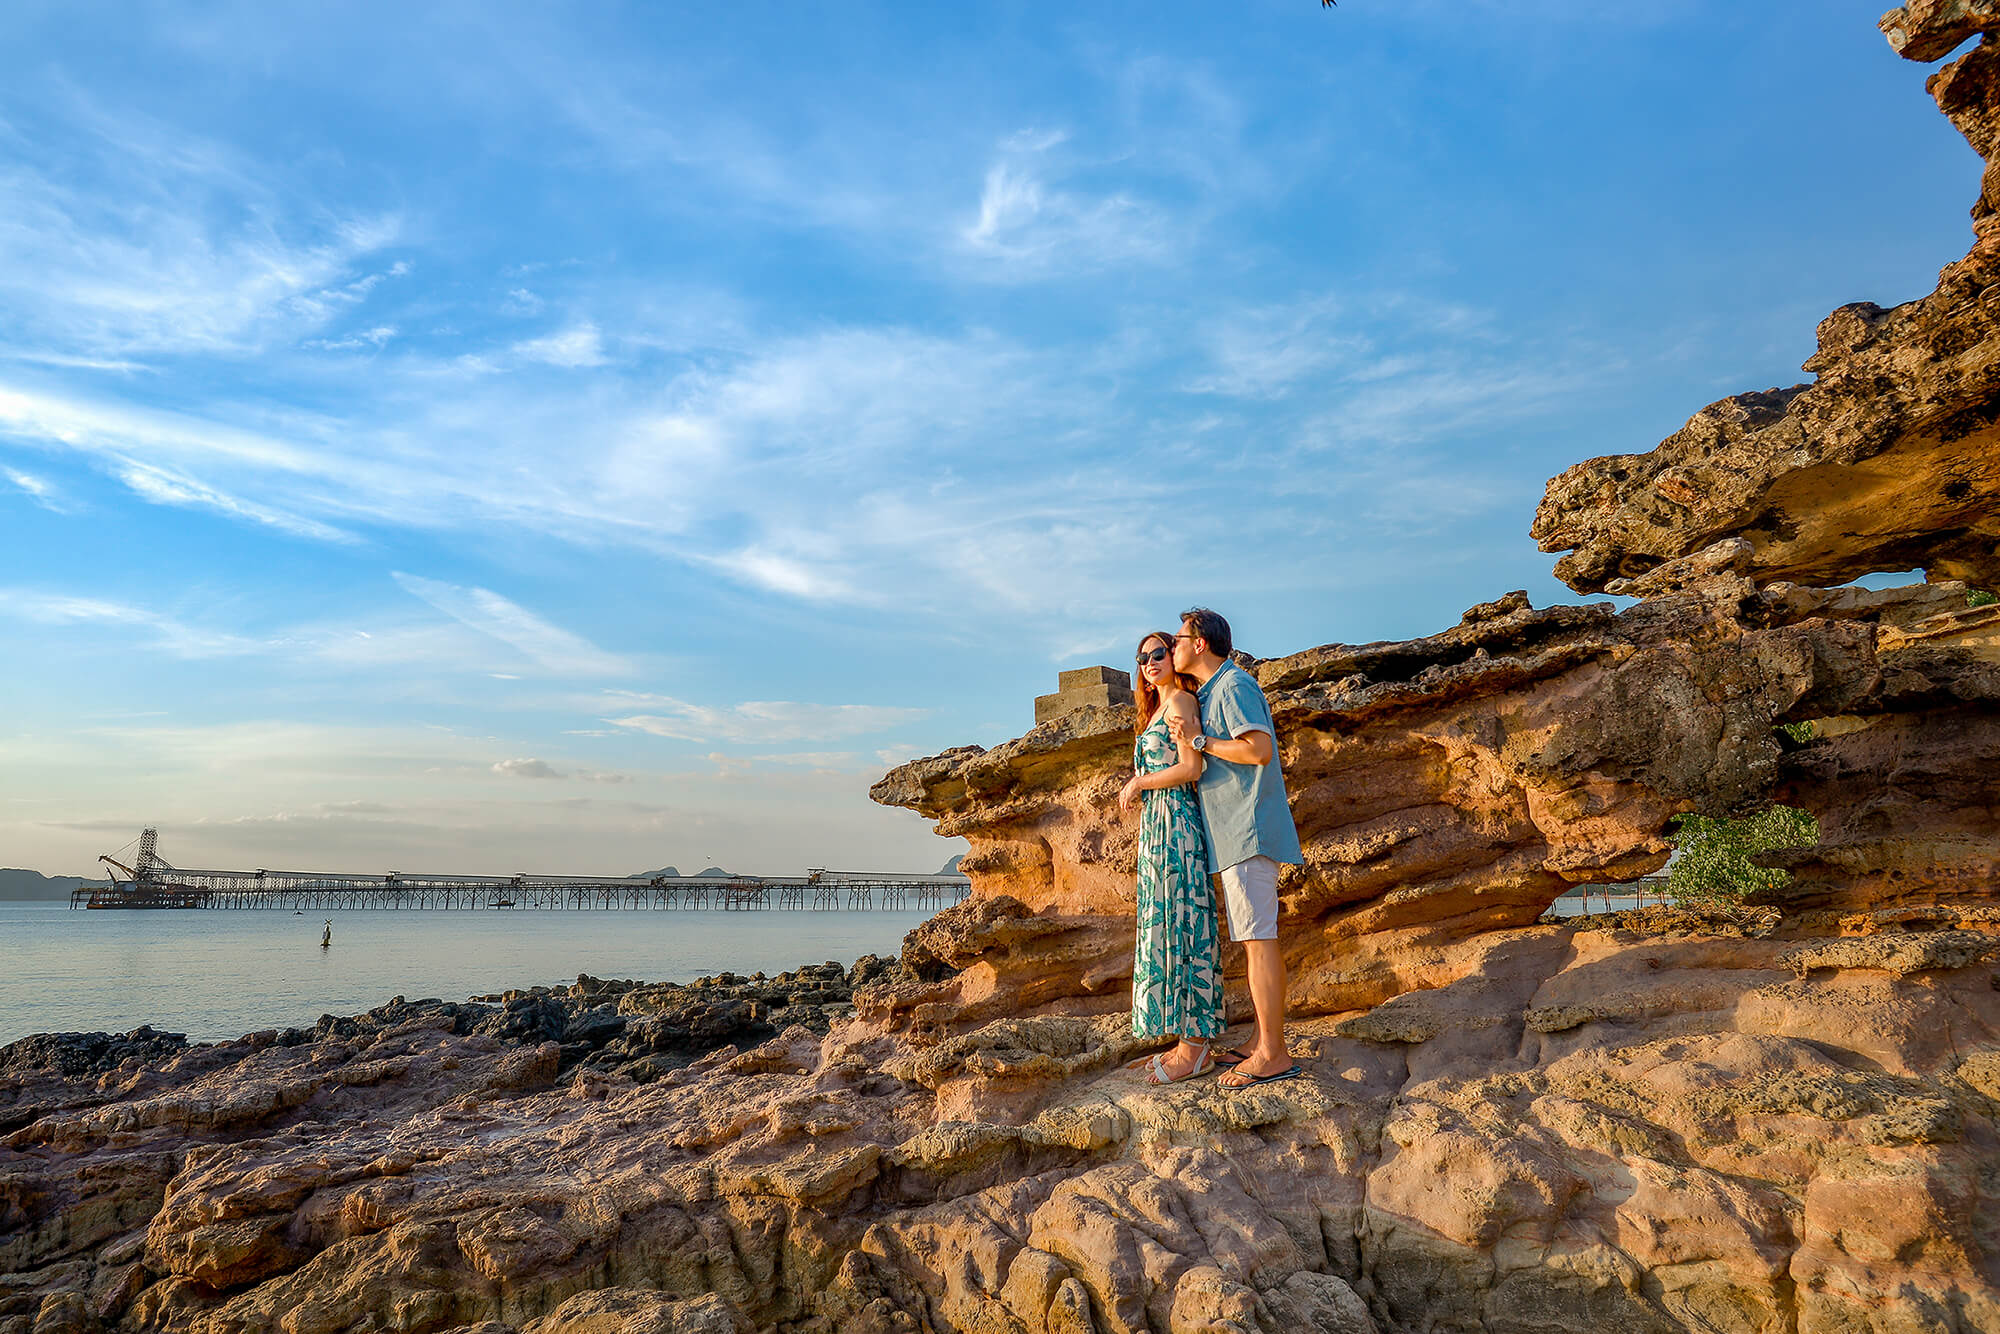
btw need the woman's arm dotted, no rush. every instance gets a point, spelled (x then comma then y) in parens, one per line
(1187, 768)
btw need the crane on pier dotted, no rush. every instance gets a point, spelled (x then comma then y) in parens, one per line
(144, 885)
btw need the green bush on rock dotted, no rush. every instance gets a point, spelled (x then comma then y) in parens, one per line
(1714, 865)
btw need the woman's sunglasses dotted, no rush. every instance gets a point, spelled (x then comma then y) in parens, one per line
(1157, 655)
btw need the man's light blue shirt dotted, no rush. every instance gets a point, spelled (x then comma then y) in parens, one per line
(1243, 805)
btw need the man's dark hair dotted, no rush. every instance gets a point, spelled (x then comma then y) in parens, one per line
(1210, 626)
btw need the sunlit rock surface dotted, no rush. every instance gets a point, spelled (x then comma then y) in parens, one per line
(1670, 1124)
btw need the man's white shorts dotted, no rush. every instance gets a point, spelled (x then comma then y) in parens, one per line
(1250, 894)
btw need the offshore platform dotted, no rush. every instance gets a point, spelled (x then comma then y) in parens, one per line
(150, 882)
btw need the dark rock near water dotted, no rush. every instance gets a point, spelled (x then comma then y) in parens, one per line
(77, 1054)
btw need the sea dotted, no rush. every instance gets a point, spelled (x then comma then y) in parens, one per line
(217, 974)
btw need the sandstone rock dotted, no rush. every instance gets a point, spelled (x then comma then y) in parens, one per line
(1886, 461)
(1458, 784)
(1900, 953)
(1323, 1304)
(1713, 1157)
(632, 1311)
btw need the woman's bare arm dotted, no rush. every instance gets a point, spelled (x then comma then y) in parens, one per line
(1187, 768)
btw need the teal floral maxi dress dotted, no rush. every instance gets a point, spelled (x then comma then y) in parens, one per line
(1176, 980)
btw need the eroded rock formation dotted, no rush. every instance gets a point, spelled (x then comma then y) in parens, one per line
(1888, 460)
(1452, 787)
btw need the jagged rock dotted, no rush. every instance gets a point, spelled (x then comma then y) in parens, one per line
(1888, 460)
(633, 1311)
(1457, 784)
(1899, 952)
(87, 1053)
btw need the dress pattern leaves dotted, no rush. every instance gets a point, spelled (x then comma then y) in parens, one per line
(1176, 981)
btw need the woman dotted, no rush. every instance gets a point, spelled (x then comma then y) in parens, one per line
(1176, 982)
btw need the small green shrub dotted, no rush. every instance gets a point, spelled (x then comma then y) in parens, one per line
(1714, 865)
(1799, 732)
(1979, 597)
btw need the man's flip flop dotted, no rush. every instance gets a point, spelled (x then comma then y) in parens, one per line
(1251, 1081)
(1234, 1056)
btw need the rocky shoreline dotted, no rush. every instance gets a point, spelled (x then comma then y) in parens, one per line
(634, 1030)
(1641, 1121)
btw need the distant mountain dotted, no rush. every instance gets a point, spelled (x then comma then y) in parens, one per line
(648, 875)
(712, 873)
(951, 867)
(17, 886)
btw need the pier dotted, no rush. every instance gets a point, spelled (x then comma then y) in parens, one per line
(151, 883)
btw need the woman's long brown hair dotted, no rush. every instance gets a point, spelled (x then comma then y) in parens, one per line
(1144, 697)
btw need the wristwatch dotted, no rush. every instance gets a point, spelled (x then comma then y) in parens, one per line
(1199, 741)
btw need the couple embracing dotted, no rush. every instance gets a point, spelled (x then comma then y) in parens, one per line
(1206, 762)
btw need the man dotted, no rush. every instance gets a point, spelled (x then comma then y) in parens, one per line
(1250, 829)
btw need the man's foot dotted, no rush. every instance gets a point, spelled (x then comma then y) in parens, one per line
(1256, 1069)
(1236, 1079)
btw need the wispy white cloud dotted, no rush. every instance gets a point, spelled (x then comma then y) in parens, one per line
(108, 428)
(67, 361)
(161, 631)
(38, 489)
(537, 768)
(951, 476)
(527, 768)
(755, 722)
(822, 761)
(1037, 227)
(127, 238)
(1264, 352)
(573, 348)
(787, 575)
(549, 646)
(328, 302)
(369, 338)
(164, 488)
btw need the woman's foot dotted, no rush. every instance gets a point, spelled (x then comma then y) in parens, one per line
(1186, 1061)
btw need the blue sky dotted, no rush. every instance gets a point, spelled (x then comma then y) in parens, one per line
(588, 437)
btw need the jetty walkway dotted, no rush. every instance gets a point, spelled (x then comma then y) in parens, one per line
(150, 882)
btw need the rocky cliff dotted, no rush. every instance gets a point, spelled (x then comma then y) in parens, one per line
(1779, 1117)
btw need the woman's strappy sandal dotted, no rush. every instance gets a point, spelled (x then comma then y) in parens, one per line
(1156, 1070)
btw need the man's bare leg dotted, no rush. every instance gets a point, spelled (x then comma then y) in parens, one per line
(1266, 1054)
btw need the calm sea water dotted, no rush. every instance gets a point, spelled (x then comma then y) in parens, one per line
(215, 975)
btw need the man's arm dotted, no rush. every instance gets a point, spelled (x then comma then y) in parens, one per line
(1252, 747)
